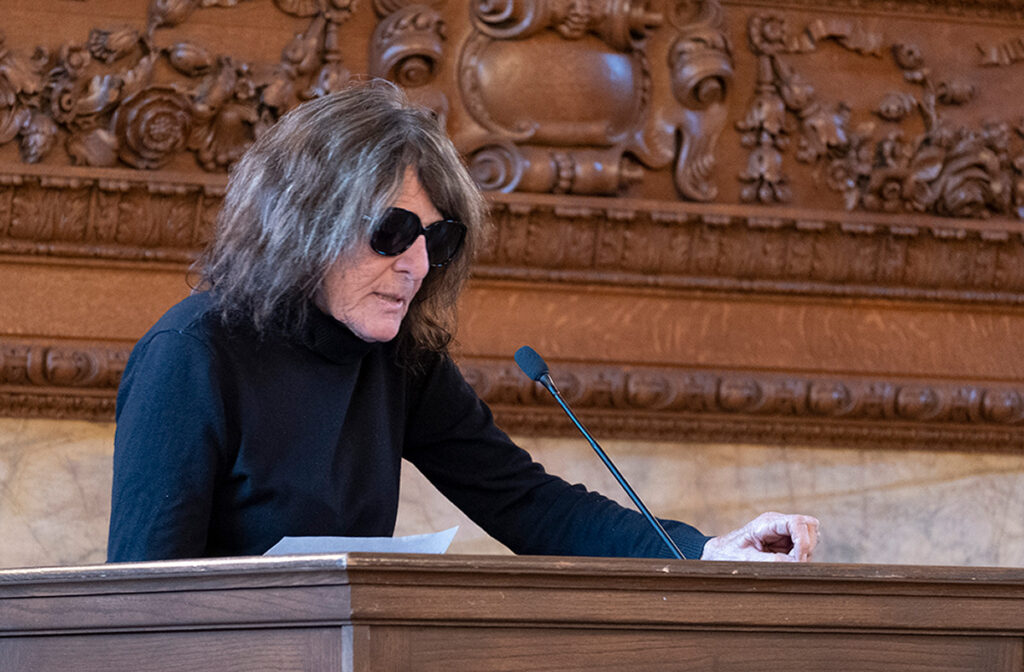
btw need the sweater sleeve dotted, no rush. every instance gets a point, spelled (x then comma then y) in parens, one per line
(453, 441)
(167, 445)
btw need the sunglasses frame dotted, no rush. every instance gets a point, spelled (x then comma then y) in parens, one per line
(425, 231)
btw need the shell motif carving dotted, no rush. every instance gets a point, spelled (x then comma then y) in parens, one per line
(303, 8)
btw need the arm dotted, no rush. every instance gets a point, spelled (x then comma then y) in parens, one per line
(453, 441)
(170, 427)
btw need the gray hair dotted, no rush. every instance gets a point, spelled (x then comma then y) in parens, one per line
(307, 194)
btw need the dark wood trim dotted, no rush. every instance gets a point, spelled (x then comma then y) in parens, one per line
(79, 380)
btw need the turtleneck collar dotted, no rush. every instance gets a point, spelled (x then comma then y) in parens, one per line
(331, 339)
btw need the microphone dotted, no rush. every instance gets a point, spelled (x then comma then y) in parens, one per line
(533, 365)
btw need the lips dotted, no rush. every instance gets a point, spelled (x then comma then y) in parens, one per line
(394, 300)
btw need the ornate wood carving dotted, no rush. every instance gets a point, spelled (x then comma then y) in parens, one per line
(734, 248)
(592, 125)
(640, 89)
(79, 380)
(107, 100)
(951, 169)
(106, 214)
(597, 124)
(69, 380)
(111, 102)
(112, 215)
(674, 73)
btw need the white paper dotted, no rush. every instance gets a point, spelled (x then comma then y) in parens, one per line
(435, 542)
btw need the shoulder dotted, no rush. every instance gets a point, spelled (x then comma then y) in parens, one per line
(188, 334)
(194, 315)
(187, 354)
(193, 321)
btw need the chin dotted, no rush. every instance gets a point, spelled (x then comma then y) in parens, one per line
(379, 334)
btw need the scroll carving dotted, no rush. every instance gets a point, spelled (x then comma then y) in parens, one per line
(80, 380)
(700, 62)
(407, 47)
(596, 132)
(950, 169)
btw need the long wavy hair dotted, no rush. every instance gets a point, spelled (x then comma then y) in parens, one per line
(306, 195)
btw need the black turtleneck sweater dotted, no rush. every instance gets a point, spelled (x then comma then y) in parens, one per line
(225, 443)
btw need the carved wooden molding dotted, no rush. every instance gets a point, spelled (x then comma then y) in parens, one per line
(944, 206)
(107, 213)
(986, 9)
(737, 248)
(66, 380)
(115, 215)
(79, 380)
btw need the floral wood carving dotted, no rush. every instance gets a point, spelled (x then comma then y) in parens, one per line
(80, 380)
(592, 124)
(102, 100)
(950, 169)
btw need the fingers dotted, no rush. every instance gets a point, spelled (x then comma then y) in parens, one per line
(803, 530)
(792, 536)
(771, 537)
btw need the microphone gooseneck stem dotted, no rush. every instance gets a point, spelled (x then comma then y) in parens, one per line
(546, 381)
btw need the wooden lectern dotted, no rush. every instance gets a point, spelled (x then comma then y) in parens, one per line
(365, 612)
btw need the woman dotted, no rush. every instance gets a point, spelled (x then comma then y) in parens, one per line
(281, 400)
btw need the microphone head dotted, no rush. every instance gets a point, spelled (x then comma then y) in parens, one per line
(531, 363)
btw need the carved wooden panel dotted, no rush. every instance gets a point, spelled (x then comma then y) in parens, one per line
(79, 380)
(813, 156)
(859, 111)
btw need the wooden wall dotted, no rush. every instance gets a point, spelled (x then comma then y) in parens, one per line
(718, 220)
(721, 222)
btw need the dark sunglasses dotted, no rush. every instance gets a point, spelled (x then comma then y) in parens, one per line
(398, 229)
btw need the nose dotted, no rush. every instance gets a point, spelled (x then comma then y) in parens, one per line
(414, 261)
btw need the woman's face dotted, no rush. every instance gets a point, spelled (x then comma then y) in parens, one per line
(370, 294)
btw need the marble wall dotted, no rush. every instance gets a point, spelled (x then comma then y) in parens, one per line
(876, 506)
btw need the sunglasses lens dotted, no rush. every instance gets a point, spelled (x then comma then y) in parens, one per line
(398, 230)
(444, 239)
(395, 232)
